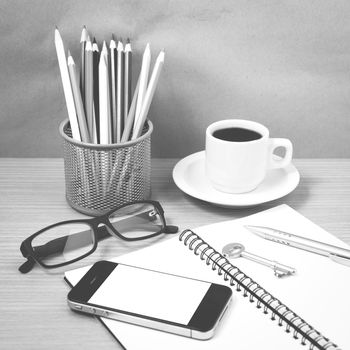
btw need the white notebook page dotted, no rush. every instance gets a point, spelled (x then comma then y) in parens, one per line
(319, 292)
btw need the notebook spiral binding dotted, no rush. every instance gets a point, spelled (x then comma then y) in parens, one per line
(292, 322)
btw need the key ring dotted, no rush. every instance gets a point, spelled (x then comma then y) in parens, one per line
(233, 250)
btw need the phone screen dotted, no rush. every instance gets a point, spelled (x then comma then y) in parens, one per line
(154, 294)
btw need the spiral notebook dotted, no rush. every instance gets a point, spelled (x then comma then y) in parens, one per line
(267, 313)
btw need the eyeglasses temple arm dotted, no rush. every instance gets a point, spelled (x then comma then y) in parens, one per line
(27, 266)
(170, 229)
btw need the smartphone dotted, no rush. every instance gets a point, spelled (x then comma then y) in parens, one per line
(170, 303)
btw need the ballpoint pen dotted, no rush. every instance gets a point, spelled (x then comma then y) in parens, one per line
(337, 254)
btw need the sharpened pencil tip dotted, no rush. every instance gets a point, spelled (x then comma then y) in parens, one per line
(127, 47)
(95, 47)
(57, 34)
(120, 46)
(70, 60)
(88, 46)
(161, 56)
(94, 41)
(84, 35)
(112, 44)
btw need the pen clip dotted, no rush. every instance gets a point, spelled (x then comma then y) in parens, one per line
(340, 259)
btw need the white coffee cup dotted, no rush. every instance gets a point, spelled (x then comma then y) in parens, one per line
(240, 166)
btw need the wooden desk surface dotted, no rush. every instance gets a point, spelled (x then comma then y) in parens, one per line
(33, 310)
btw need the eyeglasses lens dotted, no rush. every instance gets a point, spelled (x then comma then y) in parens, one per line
(137, 220)
(63, 243)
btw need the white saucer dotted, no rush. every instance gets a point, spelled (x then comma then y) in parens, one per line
(189, 176)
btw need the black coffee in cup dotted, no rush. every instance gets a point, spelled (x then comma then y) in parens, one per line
(235, 134)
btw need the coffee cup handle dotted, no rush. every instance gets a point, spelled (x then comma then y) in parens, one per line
(283, 162)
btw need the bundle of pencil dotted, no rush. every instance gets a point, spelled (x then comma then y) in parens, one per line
(100, 104)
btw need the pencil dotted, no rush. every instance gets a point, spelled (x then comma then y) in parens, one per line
(127, 79)
(113, 47)
(95, 60)
(84, 35)
(149, 94)
(131, 115)
(146, 60)
(89, 87)
(104, 98)
(67, 89)
(77, 99)
(120, 91)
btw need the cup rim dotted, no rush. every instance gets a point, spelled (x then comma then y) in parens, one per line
(243, 123)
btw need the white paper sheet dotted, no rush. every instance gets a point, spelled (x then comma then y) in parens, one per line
(319, 292)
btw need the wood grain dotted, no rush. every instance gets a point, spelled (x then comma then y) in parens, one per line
(34, 314)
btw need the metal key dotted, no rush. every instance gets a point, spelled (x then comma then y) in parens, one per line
(237, 250)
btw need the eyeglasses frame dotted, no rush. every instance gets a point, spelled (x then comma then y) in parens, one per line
(28, 251)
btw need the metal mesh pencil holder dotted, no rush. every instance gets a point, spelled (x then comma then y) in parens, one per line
(101, 177)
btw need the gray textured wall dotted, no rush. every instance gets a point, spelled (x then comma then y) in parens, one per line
(283, 63)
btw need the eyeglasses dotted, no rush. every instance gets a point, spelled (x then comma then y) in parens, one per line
(66, 242)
